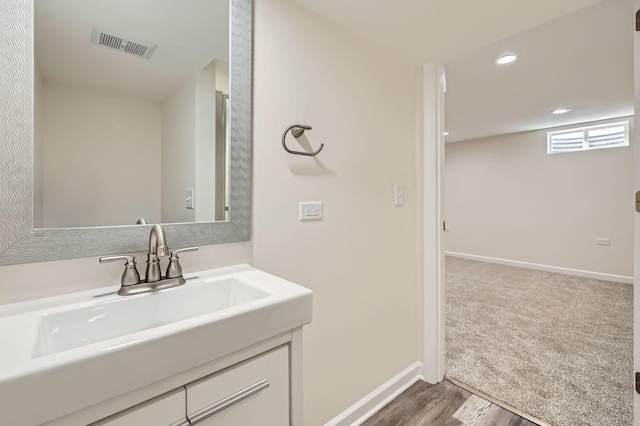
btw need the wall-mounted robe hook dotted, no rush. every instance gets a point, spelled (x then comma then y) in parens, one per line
(298, 130)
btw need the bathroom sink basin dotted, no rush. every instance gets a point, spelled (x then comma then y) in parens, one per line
(74, 351)
(102, 321)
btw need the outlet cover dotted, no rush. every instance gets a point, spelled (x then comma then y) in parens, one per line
(189, 198)
(310, 210)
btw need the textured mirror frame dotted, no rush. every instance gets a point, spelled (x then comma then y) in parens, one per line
(19, 241)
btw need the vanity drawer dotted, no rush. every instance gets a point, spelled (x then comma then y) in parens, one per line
(167, 409)
(254, 392)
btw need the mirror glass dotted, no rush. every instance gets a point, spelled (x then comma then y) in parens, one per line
(131, 112)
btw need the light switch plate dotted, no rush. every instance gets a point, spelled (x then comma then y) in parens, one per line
(189, 199)
(399, 195)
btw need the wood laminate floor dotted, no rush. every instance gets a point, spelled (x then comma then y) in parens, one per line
(444, 404)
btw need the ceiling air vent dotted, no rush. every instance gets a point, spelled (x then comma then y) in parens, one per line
(125, 44)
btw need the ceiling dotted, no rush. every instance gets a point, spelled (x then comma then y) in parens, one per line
(574, 53)
(582, 61)
(426, 31)
(189, 35)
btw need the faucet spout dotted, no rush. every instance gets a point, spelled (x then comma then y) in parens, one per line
(157, 241)
(157, 248)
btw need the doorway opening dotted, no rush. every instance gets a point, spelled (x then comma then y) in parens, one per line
(539, 307)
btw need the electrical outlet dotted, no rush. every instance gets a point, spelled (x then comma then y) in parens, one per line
(603, 242)
(310, 210)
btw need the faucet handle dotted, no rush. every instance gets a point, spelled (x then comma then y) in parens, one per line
(174, 270)
(130, 275)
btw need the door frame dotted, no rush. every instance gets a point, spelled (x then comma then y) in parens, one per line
(635, 146)
(434, 88)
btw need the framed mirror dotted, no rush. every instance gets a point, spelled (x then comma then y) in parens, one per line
(169, 141)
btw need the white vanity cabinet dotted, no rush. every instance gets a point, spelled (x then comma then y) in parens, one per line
(165, 410)
(226, 349)
(256, 392)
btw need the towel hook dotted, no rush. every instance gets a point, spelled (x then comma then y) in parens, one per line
(298, 130)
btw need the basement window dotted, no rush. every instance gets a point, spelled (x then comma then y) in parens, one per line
(609, 135)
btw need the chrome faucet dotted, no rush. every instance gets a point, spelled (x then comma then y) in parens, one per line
(131, 283)
(157, 248)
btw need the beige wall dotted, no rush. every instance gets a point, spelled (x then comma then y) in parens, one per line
(188, 148)
(205, 153)
(84, 134)
(36, 280)
(506, 198)
(222, 76)
(178, 152)
(360, 261)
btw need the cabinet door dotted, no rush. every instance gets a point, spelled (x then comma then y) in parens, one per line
(166, 410)
(254, 392)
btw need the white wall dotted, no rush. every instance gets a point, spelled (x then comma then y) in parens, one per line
(84, 134)
(360, 260)
(506, 198)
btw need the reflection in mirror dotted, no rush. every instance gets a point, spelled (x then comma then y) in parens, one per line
(131, 112)
(21, 243)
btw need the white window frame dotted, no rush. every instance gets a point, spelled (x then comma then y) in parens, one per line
(585, 140)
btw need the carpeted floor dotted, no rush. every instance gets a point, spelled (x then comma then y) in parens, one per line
(557, 347)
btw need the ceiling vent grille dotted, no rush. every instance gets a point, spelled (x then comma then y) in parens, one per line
(142, 49)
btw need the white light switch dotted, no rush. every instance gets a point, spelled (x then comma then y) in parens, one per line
(399, 195)
(189, 199)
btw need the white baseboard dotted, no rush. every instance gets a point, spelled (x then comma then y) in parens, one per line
(547, 268)
(359, 412)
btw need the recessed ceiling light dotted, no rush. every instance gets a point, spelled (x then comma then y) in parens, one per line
(506, 59)
(446, 133)
(561, 111)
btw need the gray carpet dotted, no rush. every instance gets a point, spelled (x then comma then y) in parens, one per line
(557, 347)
